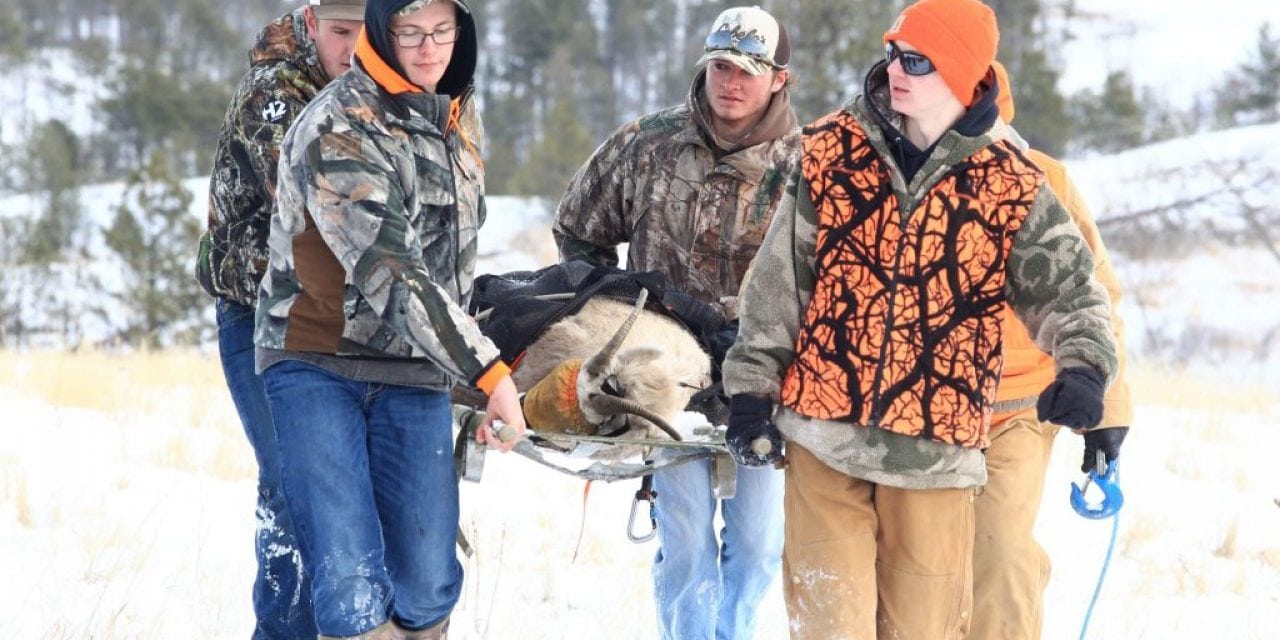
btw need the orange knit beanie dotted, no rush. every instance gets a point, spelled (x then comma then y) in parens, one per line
(1004, 100)
(959, 36)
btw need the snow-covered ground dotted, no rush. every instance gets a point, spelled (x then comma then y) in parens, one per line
(137, 521)
(139, 524)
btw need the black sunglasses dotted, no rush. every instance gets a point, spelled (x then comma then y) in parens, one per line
(914, 64)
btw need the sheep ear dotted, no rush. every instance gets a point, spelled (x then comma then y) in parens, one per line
(640, 355)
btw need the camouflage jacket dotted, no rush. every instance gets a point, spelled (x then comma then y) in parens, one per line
(688, 209)
(284, 75)
(1049, 284)
(373, 240)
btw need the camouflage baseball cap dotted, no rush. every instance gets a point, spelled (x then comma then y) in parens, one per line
(750, 38)
(414, 5)
(338, 9)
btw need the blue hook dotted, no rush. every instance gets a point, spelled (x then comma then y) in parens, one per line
(1112, 497)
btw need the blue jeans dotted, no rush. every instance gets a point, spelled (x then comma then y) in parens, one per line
(706, 589)
(281, 591)
(368, 469)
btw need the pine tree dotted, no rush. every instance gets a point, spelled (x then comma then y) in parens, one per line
(1041, 110)
(53, 172)
(1026, 41)
(153, 235)
(529, 84)
(1112, 120)
(566, 142)
(833, 43)
(13, 234)
(1252, 94)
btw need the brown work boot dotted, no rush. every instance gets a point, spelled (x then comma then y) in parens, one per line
(437, 631)
(384, 631)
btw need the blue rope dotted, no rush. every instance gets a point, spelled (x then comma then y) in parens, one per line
(1097, 589)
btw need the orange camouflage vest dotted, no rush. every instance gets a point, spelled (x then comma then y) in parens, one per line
(903, 331)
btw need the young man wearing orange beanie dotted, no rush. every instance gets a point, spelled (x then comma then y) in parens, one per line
(1010, 569)
(871, 330)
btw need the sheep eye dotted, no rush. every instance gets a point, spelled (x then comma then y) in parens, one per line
(612, 387)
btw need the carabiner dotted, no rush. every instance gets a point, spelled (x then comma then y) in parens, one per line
(1108, 483)
(642, 496)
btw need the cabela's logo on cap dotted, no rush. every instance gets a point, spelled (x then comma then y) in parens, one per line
(750, 38)
(737, 32)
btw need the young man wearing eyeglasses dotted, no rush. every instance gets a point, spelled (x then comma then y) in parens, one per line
(692, 189)
(293, 57)
(871, 330)
(361, 328)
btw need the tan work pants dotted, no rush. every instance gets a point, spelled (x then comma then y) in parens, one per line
(1010, 569)
(864, 561)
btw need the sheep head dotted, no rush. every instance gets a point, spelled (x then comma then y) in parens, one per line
(634, 380)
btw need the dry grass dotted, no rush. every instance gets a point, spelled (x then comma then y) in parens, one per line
(17, 494)
(116, 381)
(1228, 547)
(182, 387)
(1137, 534)
(1271, 557)
(1191, 580)
(1153, 385)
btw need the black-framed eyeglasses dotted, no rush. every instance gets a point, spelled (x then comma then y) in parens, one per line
(750, 44)
(414, 39)
(913, 64)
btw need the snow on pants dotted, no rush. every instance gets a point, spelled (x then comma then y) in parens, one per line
(864, 561)
(1010, 569)
(281, 590)
(369, 479)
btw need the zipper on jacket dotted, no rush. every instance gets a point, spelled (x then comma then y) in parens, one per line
(904, 216)
(450, 150)
(878, 379)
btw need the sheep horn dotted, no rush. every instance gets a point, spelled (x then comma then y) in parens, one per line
(608, 404)
(596, 365)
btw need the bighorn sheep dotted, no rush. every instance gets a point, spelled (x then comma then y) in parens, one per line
(649, 368)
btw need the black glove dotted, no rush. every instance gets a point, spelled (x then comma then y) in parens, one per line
(1105, 440)
(1073, 399)
(718, 342)
(712, 403)
(750, 420)
(700, 318)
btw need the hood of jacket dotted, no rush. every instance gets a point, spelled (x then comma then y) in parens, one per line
(779, 118)
(460, 74)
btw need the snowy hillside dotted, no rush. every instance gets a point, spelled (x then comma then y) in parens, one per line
(1210, 303)
(519, 223)
(1173, 305)
(1177, 49)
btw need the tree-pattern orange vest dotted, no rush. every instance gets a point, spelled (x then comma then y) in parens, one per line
(903, 331)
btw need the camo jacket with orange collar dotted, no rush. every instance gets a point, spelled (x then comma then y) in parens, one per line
(886, 358)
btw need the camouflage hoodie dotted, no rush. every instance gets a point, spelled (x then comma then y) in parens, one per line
(1048, 282)
(693, 207)
(284, 74)
(373, 241)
